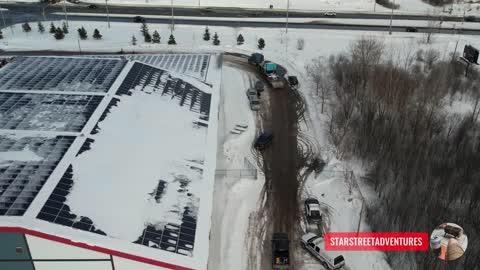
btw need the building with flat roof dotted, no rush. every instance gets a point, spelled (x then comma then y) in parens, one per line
(107, 162)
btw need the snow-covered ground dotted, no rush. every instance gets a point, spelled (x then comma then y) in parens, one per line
(189, 38)
(239, 196)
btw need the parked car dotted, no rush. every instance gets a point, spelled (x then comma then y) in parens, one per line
(280, 251)
(312, 211)
(470, 19)
(263, 141)
(314, 244)
(92, 6)
(259, 86)
(411, 29)
(138, 19)
(330, 14)
(293, 81)
(252, 92)
(254, 103)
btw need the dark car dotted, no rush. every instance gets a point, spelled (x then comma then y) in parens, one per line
(412, 29)
(263, 141)
(138, 19)
(256, 59)
(92, 6)
(293, 81)
(470, 19)
(259, 86)
(280, 251)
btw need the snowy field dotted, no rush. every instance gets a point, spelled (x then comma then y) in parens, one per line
(189, 38)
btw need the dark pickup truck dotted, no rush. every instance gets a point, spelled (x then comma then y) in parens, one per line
(280, 253)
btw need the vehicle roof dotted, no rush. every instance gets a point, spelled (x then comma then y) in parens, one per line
(264, 135)
(311, 201)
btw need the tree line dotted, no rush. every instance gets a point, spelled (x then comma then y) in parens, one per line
(423, 161)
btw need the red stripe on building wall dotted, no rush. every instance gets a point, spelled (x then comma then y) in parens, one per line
(94, 248)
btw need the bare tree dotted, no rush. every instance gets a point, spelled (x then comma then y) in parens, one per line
(317, 73)
(432, 26)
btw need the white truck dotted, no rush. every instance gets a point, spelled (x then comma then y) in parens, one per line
(315, 245)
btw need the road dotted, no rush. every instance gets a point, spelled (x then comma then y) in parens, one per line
(282, 110)
(211, 12)
(19, 13)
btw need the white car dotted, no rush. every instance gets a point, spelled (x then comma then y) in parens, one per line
(315, 245)
(312, 211)
(329, 14)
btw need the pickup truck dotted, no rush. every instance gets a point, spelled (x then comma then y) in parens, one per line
(315, 245)
(280, 251)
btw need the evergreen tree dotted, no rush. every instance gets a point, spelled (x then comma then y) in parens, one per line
(156, 37)
(147, 37)
(206, 35)
(171, 40)
(216, 41)
(65, 28)
(59, 33)
(26, 27)
(96, 34)
(240, 40)
(82, 33)
(41, 29)
(144, 28)
(1, 34)
(261, 43)
(134, 40)
(53, 29)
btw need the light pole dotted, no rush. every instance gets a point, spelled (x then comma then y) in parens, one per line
(108, 15)
(79, 48)
(3, 18)
(65, 10)
(43, 12)
(173, 22)
(288, 7)
(391, 19)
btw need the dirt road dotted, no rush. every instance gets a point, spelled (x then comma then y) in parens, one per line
(281, 163)
(281, 167)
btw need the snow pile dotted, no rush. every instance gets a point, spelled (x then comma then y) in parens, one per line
(145, 139)
(26, 155)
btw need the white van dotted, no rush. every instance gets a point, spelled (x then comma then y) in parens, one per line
(315, 244)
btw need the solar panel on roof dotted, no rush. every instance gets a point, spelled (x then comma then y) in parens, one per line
(21, 180)
(46, 111)
(60, 74)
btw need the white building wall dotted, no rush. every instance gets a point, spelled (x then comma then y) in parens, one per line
(76, 265)
(124, 264)
(46, 249)
(42, 249)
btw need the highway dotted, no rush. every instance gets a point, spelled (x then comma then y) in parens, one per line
(21, 12)
(37, 8)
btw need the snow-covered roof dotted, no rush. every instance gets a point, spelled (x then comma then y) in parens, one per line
(109, 152)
